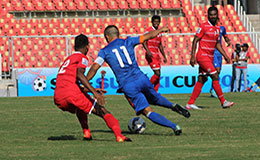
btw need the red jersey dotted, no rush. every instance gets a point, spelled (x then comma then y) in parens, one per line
(153, 44)
(209, 35)
(66, 82)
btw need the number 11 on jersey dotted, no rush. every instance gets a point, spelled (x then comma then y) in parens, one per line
(120, 61)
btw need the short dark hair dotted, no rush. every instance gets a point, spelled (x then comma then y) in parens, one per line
(245, 45)
(111, 30)
(80, 42)
(156, 17)
(212, 8)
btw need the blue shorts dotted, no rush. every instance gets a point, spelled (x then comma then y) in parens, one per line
(217, 62)
(140, 93)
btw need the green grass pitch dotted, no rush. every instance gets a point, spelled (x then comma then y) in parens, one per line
(34, 128)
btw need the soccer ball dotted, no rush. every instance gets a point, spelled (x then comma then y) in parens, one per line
(39, 84)
(136, 125)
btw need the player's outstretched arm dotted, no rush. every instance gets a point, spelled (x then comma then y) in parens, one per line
(84, 80)
(93, 70)
(154, 33)
(221, 50)
(193, 50)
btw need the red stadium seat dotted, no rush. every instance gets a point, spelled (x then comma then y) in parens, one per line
(50, 6)
(122, 4)
(155, 4)
(118, 22)
(112, 4)
(8, 6)
(71, 5)
(60, 6)
(91, 4)
(76, 21)
(97, 23)
(165, 4)
(39, 6)
(18, 6)
(29, 6)
(102, 5)
(108, 21)
(129, 20)
(81, 5)
(66, 22)
(34, 23)
(144, 4)
(134, 4)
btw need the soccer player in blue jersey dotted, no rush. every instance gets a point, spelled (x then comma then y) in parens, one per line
(119, 55)
(217, 62)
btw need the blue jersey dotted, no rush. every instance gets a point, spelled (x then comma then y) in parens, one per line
(223, 32)
(120, 56)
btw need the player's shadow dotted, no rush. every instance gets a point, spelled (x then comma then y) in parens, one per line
(70, 138)
(61, 138)
(203, 107)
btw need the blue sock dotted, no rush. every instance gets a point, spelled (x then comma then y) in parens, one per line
(161, 120)
(162, 101)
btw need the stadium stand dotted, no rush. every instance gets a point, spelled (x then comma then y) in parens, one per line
(50, 51)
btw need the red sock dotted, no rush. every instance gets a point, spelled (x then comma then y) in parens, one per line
(113, 124)
(154, 78)
(157, 84)
(195, 93)
(218, 91)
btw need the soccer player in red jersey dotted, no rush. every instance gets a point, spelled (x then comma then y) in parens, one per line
(70, 96)
(152, 47)
(208, 38)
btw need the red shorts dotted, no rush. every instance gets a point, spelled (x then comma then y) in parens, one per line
(154, 62)
(206, 68)
(80, 100)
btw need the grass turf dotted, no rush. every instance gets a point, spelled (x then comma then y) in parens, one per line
(34, 128)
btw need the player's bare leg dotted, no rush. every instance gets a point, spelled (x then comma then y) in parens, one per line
(111, 122)
(161, 120)
(83, 119)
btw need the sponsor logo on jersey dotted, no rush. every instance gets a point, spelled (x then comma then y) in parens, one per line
(85, 61)
(198, 31)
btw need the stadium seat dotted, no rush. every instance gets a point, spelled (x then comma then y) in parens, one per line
(91, 4)
(133, 4)
(155, 4)
(39, 6)
(29, 6)
(166, 4)
(144, 4)
(176, 4)
(122, 4)
(71, 5)
(60, 6)
(50, 6)
(18, 6)
(80, 5)
(102, 5)
(118, 21)
(112, 5)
